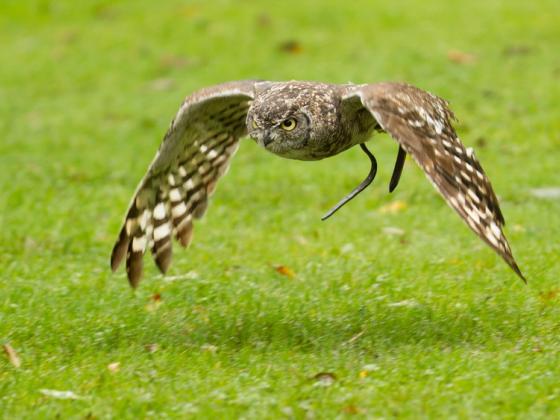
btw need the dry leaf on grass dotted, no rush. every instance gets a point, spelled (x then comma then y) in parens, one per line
(152, 347)
(355, 337)
(291, 47)
(549, 296)
(550, 192)
(170, 62)
(347, 248)
(393, 207)
(481, 142)
(155, 302)
(114, 367)
(367, 369)
(13, 357)
(324, 378)
(263, 20)
(513, 50)
(285, 271)
(352, 409)
(190, 275)
(407, 303)
(461, 57)
(61, 395)
(161, 84)
(393, 231)
(209, 348)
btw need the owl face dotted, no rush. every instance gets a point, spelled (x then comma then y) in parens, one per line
(285, 133)
(295, 120)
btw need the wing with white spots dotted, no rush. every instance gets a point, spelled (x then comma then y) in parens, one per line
(194, 153)
(421, 124)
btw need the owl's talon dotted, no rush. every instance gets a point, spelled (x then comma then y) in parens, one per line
(363, 185)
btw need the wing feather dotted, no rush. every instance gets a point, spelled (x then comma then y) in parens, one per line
(193, 155)
(422, 125)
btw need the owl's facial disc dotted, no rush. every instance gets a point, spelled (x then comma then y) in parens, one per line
(284, 136)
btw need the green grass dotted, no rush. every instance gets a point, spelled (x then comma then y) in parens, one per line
(87, 90)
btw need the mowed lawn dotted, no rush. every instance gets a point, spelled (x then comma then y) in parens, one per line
(391, 308)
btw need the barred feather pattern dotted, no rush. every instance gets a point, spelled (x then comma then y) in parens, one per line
(194, 154)
(421, 123)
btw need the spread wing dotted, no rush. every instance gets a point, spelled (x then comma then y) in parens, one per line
(421, 124)
(194, 153)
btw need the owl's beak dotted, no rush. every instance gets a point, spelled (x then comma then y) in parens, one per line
(262, 137)
(266, 139)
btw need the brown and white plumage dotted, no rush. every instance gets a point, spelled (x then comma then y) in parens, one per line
(193, 155)
(421, 123)
(298, 120)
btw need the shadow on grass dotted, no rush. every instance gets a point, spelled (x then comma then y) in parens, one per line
(252, 319)
(365, 329)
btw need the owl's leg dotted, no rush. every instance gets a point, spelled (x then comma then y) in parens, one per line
(401, 156)
(363, 185)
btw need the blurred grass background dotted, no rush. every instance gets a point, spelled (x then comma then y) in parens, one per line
(410, 312)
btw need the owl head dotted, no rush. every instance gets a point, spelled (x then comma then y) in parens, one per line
(292, 120)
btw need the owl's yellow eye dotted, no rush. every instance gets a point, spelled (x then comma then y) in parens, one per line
(289, 124)
(254, 124)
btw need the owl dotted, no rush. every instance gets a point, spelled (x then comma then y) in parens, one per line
(305, 121)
